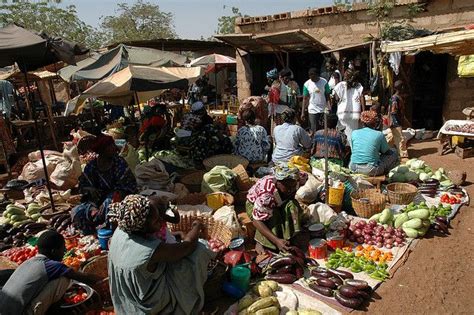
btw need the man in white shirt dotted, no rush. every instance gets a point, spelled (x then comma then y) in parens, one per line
(315, 99)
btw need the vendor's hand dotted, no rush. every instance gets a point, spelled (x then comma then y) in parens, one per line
(283, 245)
(198, 224)
(303, 117)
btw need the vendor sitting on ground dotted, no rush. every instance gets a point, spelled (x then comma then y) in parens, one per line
(371, 154)
(272, 206)
(338, 148)
(206, 139)
(148, 275)
(42, 280)
(290, 139)
(253, 142)
(104, 179)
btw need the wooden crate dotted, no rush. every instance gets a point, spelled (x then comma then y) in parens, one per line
(464, 153)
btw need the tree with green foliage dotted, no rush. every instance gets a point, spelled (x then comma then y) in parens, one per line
(226, 23)
(140, 21)
(54, 21)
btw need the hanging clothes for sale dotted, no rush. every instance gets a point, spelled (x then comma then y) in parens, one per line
(6, 97)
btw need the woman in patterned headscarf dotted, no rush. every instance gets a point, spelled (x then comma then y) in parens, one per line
(147, 274)
(272, 206)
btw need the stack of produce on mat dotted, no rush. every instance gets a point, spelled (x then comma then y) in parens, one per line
(356, 264)
(415, 220)
(415, 170)
(373, 233)
(262, 300)
(341, 285)
(286, 268)
(16, 215)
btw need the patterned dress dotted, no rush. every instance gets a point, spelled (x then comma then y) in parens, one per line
(252, 143)
(264, 204)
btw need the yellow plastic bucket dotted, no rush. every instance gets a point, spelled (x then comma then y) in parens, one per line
(336, 196)
(219, 199)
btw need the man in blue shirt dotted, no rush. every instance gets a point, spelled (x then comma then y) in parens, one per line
(371, 154)
(42, 280)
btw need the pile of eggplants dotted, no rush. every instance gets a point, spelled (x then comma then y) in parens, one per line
(441, 225)
(341, 285)
(287, 268)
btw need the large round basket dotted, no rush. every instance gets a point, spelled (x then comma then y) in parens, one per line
(96, 265)
(368, 202)
(193, 181)
(227, 160)
(401, 193)
(212, 229)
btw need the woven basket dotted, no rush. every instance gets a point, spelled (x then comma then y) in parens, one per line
(212, 229)
(96, 265)
(401, 193)
(241, 196)
(374, 202)
(193, 181)
(227, 160)
(193, 199)
(243, 179)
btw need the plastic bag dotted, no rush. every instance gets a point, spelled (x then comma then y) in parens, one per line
(466, 66)
(220, 178)
(67, 172)
(320, 213)
(309, 192)
(227, 215)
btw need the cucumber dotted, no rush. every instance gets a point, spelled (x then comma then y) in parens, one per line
(376, 217)
(420, 214)
(412, 233)
(413, 224)
(423, 231)
(36, 216)
(17, 217)
(18, 223)
(402, 218)
(14, 211)
(385, 217)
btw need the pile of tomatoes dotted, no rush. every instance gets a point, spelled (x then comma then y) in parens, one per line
(75, 295)
(20, 254)
(451, 199)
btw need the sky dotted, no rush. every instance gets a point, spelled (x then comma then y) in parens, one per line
(195, 18)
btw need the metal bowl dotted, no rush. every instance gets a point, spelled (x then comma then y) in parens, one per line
(89, 292)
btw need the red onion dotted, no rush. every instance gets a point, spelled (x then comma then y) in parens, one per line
(395, 243)
(360, 240)
(389, 242)
(373, 223)
(399, 240)
(390, 229)
(362, 223)
(357, 232)
(386, 235)
(388, 246)
(379, 238)
(379, 244)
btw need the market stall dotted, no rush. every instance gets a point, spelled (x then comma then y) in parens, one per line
(458, 129)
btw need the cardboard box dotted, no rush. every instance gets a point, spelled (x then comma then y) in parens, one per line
(464, 153)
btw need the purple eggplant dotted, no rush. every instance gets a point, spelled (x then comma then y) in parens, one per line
(282, 261)
(359, 284)
(342, 274)
(326, 283)
(353, 302)
(337, 280)
(321, 290)
(286, 278)
(348, 291)
(285, 269)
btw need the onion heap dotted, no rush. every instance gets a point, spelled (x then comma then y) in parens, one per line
(372, 233)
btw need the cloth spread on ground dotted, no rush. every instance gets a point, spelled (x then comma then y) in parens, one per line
(173, 288)
(27, 282)
(316, 91)
(290, 140)
(219, 178)
(252, 143)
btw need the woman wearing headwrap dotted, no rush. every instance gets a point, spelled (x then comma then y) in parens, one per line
(273, 209)
(274, 87)
(105, 179)
(371, 154)
(350, 102)
(290, 139)
(148, 275)
(206, 138)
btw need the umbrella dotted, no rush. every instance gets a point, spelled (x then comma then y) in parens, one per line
(102, 65)
(120, 87)
(30, 51)
(213, 62)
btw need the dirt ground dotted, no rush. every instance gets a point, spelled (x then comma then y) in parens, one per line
(438, 276)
